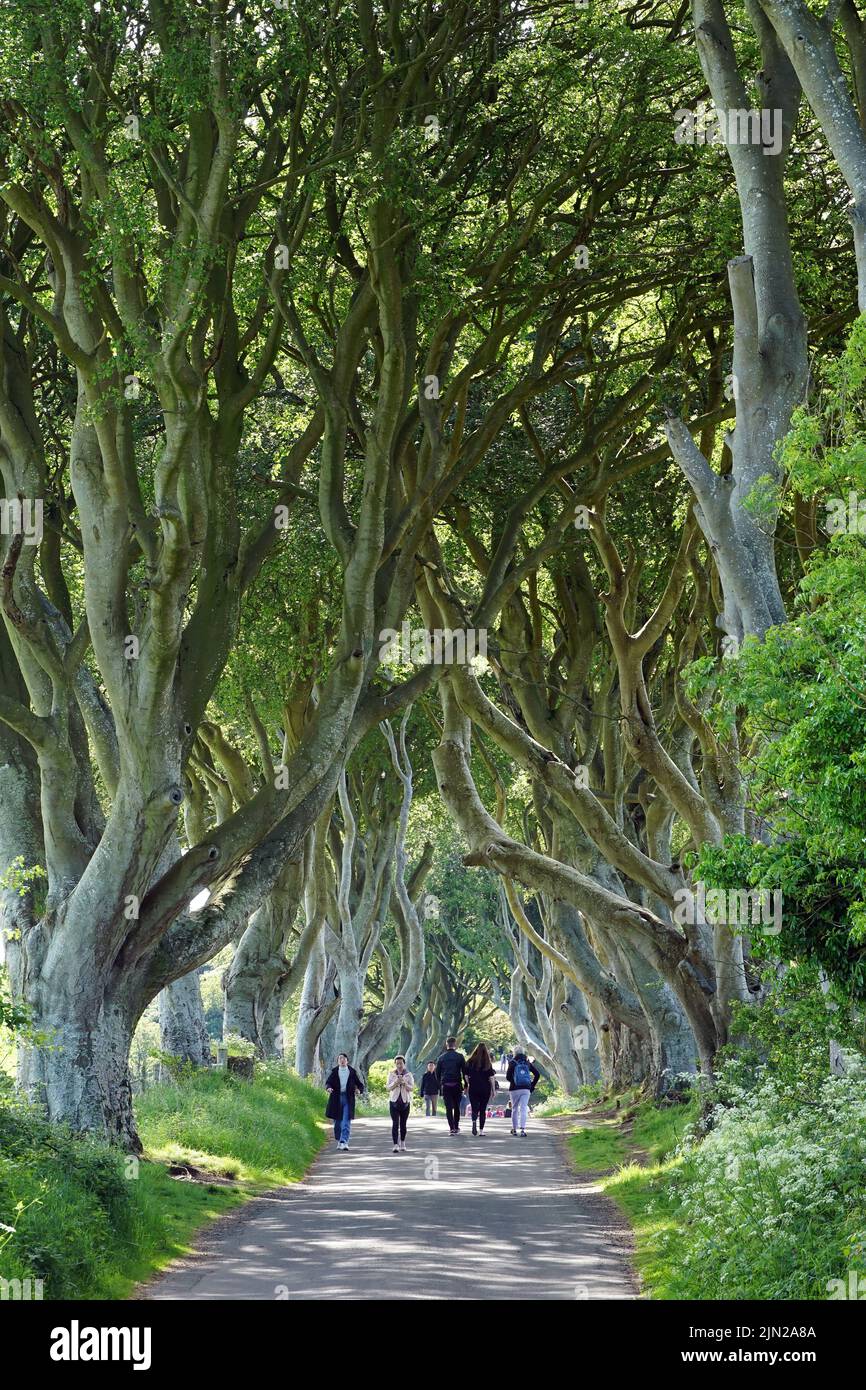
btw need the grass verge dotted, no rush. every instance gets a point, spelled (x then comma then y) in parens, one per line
(638, 1146)
(91, 1224)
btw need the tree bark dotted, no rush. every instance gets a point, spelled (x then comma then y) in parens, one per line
(182, 1026)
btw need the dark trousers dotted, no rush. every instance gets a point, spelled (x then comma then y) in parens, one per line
(399, 1116)
(479, 1105)
(451, 1093)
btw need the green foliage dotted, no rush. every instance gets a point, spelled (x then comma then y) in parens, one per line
(15, 1017)
(377, 1079)
(800, 700)
(496, 1030)
(90, 1222)
(821, 921)
(237, 1046)
(640, 1188)
(761, 1195)
(26, 881)
(66, 1200)
(16, 1024)
(265, 1131)
(597, 1147)
(770, 1204)
(788, 1038)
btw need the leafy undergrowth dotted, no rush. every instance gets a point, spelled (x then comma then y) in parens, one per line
(635, 1145)
(764, 1201)
(264, 1132)
(91, 1223)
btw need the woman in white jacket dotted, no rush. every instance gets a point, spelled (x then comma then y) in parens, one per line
(401, 1083)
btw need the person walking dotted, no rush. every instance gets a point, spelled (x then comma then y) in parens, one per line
(522, 1078)
(482, 1080)
(451, 1075)
(430, 1089)
(342, 1086)
(400, 1086)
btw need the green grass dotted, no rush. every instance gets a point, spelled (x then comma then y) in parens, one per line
(640, 1190)
(598, 1146)
(262, 1133)
(92, 1224)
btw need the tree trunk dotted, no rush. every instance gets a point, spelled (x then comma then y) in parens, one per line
(253, 995)
(575, 1034)
(82, 1077)
(317, 1005)
(350, 1012)
(770, 364)
(182, 1027)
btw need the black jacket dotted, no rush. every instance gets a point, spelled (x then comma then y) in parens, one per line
(479, 1084)
(429, 1084)
(451, 1068)
(354, 1086)
(509, 1075)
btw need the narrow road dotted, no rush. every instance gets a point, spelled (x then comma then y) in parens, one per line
(489, 1218)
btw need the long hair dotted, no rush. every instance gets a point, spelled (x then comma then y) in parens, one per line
(479, 1059)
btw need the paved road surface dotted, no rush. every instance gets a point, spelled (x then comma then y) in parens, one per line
(489, 1218)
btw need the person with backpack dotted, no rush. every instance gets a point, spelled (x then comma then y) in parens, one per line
(451, 1075)
(429, 1089)
(522, 1078)
(400, 1086)
(482, 1081)
(342, 1086)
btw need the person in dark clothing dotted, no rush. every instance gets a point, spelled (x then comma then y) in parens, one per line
(342, 1086)
(429, 1089)
(522, 1077)
(451, 1075)
(481, 1076)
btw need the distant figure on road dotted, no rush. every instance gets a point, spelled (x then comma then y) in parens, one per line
(342, 1086)
(503, 1061)
(400, 1086)
(451, 1074)
(522, 1078)
(430, 1089)
(482, 1081)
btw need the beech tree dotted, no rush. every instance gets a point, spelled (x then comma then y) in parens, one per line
(199, 201)
(315, 320)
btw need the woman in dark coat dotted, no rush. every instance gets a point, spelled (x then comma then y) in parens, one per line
(482, 1083)
(342, 1086)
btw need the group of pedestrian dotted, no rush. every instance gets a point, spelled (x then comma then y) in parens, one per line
(462, 1082)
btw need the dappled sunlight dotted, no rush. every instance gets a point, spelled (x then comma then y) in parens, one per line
(498, 1217)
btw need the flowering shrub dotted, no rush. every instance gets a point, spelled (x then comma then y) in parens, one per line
(771, 1199)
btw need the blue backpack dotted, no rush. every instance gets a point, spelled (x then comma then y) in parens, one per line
(522, 1074)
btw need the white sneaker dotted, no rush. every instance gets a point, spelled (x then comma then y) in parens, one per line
(396, 1148)
(403, 1148)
